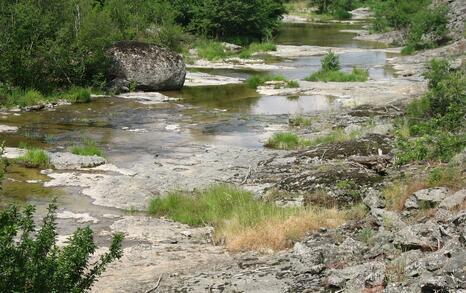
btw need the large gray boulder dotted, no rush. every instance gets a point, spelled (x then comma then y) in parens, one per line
(145, 67)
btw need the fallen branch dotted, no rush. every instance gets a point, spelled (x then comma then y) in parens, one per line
(156, 285)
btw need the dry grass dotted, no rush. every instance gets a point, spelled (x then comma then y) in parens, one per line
(279, 233)
(398, 192)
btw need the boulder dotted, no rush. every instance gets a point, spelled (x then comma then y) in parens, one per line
(454, 200)
(424, 236)
(426, 198)
(145, 67)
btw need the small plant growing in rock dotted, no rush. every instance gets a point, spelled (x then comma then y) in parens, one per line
(31, 261)
(89, 148)
(330, 62)
(366, 234)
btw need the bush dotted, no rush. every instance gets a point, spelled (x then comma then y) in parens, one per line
(238, 21)
(35, 158)
(337, 8)
(31, 261)
(428, 29)
(436, 122)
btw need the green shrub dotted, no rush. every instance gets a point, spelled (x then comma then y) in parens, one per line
(428, 29)
(330, 62)
(286, 141)
(257, 47)
(435, 121)
(337, 8)
(35, 158)
(365, 234)
(395, 14)
(88, 149)
(31, 260)
(299, 121)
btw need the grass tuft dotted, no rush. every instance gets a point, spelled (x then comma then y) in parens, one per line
(287, 141)
(257, 80)
(211, 50)
(35, 158)
(78, 95)
(357, 75)
(88, 149)
(240, 221)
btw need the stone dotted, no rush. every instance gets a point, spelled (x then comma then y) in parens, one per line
(148, 67)
(69, 161)
(428, 198)
(454, 200)
(373, 199)
(357, 278)
(8, 129)
(424, 236)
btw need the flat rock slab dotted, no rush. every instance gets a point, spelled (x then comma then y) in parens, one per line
(454, 200)
(205, 79)
(68, 161)
(13, 153)
(8, 129)
(147, 98)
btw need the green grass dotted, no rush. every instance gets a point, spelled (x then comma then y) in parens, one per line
(287, 141)
(299, 121)
(88, 149)
(255, 48)
(291, 141)
(77, 95)
(257, 80)
(211, 50)
(24, 98)
(357, 74)
(35, 158)
(240, 221)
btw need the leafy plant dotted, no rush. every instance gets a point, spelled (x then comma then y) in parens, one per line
(257, 80)
(286, 141)
(89, 148)
(31, 261)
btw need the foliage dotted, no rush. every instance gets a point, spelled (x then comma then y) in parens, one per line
(257, 47)
(436, 121)
(286, 141)
(241, 221)
(88, 149)
(35, 158)
(395, 14)
(31, 261)
(338, 8)
(78, 95)
(365, 234)
(238, 21)
(428, 29)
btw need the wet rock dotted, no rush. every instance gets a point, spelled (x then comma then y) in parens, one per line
(68, 161)
(426, 198)
(147, 98)
(145, 66)
(424, 236)
(454, 200)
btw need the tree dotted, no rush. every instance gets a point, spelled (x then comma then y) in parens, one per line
(31, 261)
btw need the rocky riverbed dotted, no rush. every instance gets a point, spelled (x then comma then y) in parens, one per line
(213, 131)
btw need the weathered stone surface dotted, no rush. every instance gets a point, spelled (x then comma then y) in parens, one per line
(373, 199)
(148, 67)
(426, 198)
(425, 236)
(454, 200)
(357, 278)
(8, 129)
(68, 161)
